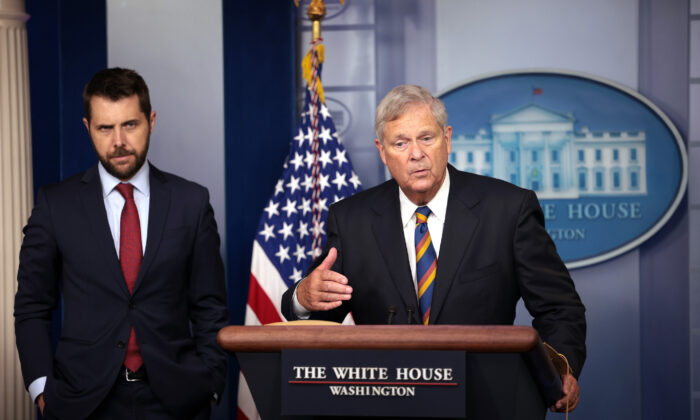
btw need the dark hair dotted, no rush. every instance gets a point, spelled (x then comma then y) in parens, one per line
(114, 84)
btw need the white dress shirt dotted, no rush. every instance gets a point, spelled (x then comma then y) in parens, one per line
(436, 222)
(114, 203)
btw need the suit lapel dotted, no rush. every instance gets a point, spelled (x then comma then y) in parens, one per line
(388, 233)
(93, 202)
(157, 215)
(460, 224)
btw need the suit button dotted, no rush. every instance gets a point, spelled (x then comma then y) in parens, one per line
(132, 306)
(121, 344)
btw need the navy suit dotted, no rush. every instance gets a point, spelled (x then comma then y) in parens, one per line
(177, 307)
(494, 251)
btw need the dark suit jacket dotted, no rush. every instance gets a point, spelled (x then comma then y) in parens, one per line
(177, 307)
(494, 250)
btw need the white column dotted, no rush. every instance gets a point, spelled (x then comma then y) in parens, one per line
(15, 195)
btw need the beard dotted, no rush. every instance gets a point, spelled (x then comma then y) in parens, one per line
(124, 172)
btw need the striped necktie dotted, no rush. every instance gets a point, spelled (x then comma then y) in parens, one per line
(426, 262)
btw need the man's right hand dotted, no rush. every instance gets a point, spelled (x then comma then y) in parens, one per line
(40, 403)
(324, 289)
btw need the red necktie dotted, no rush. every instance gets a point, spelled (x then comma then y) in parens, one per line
(130, 255)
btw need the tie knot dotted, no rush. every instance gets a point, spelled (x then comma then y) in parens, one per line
(126, 190)
(422, 214)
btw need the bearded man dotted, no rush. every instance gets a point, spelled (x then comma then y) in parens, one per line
(133, 252)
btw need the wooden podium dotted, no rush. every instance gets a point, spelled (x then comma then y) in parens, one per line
(508, 374)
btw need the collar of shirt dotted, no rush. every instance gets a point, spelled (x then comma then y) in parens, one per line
(140, 181)
(438, 205)
(114, 202)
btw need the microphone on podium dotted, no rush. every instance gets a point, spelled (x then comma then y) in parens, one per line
(392, 313)
(410, 314)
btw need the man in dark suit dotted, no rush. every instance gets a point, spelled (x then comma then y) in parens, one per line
(485, 247)
(134, 254)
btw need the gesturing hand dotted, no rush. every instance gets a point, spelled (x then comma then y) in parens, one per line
(324, 289)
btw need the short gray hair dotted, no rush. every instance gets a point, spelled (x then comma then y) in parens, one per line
(396, 102)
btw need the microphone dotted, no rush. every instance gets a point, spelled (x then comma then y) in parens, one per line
(392, 313)
(410, 314)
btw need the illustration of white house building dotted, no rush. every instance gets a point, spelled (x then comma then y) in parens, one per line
(537, 148)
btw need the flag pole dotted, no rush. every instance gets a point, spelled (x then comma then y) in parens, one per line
(316, 13)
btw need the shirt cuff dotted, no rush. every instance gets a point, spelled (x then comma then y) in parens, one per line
(299, 311)
(36, 388)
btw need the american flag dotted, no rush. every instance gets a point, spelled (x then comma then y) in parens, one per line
(291, 233)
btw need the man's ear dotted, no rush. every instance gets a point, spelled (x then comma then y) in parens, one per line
(152, 120)
(380, 147)
(448, 138)
(87, 124)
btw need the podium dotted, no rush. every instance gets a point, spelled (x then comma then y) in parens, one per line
(508, 374)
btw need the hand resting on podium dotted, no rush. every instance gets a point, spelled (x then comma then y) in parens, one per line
(571, 393)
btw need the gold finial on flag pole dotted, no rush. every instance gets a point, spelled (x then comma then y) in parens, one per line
(316, 12)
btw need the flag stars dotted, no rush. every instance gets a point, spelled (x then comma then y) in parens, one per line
(325, 135)
(300, 137)
(354, 180)
(297, 161)
(321, 204)
(279, 187)
(323, 182)
(309, 159)
(300, 253)
(339, 157)
(309, 136)
(293, 184)
(271, 209)
(303, 230)
(267, 232)
(339, 180)
(286, 230)
(305, 205)
(325, 158)
(324, 112)
(283, 253)
(296, 275)
(290, 207)
(318, 229)
(308, 183)
(313, 253)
